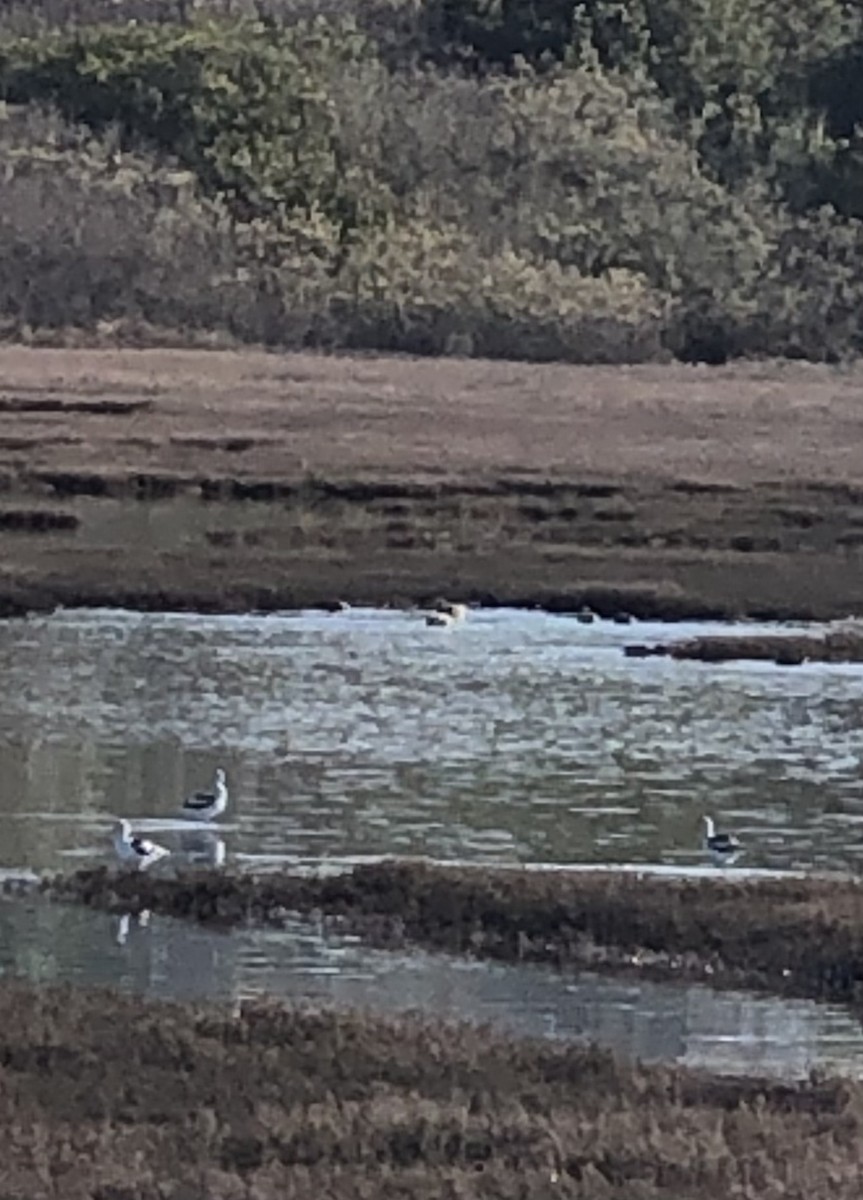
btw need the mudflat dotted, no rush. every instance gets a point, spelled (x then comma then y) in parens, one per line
(229, 480)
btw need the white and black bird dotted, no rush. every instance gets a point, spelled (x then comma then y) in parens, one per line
(722, 847)
(135, 850)
(205, 806)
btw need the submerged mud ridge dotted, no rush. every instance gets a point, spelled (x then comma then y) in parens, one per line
(228, 481)
(802, 937)
(117, 1098)
(836, 645)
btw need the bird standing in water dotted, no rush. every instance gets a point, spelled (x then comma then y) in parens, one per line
(205, 806)
(722, 847)
(137, 850)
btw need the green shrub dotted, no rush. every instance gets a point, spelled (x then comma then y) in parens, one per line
(665, 177)
(433, 291)
(243, 106)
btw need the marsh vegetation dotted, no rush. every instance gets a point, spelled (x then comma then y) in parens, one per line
(103, 1095)
(796, 935)
(547, 182)
(223, 481)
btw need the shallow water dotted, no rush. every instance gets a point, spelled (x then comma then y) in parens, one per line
(515, 737)
(726, 1032)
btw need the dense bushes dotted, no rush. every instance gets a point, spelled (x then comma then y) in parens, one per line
(248, 112)
(502, 177)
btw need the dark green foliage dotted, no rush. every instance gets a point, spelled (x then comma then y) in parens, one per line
(592, 182)
(498, 33)
(247, 111)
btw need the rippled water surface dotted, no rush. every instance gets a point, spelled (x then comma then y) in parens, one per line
(726, 1032)
(515, 737)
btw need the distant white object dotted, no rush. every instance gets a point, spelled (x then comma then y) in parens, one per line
(446, 614)
(204, 806)
(137, 850)
(722, 847)
(441, 619)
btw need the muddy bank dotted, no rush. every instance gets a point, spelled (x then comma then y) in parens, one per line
(230, 481)
(800, 937)
(107, 1096)
(839, 645)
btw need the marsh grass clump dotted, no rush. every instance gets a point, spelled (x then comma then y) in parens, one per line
(107, 1095)
(836, 645)
(801, 936)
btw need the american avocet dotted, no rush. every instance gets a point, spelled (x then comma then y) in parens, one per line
(133, 849)
(722, 847)
(204, 806)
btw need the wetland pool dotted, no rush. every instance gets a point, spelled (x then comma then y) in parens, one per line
(691, 1025)
(512, 738)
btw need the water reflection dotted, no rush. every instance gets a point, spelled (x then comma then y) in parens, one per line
(513, 737)
(202, 848)
(128, 921)
(726, 1032)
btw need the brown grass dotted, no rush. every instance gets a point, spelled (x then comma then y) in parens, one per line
(801, 936)
(669, 491)
(739, 425)
(105, 1097)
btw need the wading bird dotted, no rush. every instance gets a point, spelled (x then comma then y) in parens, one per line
(133, 849)
(722, 847)
(204, 806)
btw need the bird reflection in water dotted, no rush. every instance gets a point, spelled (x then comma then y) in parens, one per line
(127, 921)
(202, 847)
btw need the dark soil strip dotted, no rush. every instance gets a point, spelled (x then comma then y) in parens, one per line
(102, 408)
(107, 1097)
(38, 520)
(797, 936)
(243, 593)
